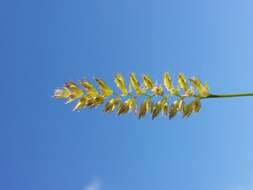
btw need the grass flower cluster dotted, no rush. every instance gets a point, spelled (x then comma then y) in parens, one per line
(138, 96)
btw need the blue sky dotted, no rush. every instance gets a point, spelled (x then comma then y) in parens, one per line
(44, 145)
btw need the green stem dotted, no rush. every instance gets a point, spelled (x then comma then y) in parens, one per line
(228, 95)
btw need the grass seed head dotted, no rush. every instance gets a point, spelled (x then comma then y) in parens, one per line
(126, 100)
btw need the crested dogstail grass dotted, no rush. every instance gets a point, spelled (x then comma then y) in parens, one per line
(141, 96)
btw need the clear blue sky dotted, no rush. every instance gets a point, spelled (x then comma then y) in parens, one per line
(46, 146)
